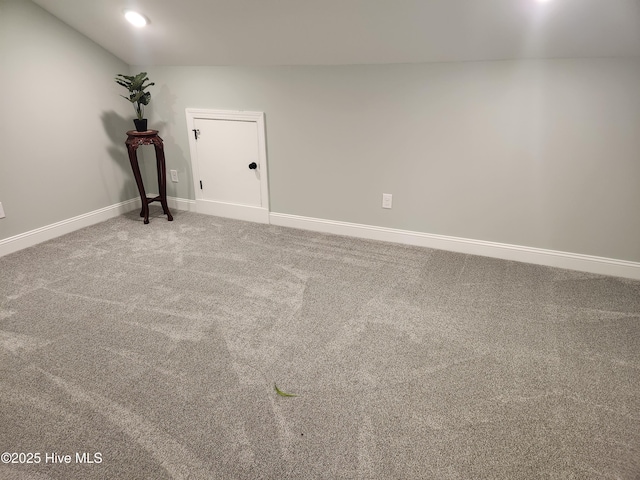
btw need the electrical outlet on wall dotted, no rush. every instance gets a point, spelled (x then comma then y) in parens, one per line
(174, 176)
(1, 211)
(387, 200)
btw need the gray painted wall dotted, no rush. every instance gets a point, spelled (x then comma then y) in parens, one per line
(537, 153)
(62, 123)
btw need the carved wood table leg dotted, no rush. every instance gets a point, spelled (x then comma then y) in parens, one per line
(133, 159)
(134, 140)
(162, 178)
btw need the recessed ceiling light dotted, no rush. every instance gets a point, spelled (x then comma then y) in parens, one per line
(135, 18)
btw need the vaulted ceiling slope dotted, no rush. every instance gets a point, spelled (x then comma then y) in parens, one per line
(337, 32)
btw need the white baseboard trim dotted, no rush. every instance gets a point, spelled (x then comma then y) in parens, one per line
(48, 232)
(233, 210)
(181, 204)
(539, 256)
(176, 203)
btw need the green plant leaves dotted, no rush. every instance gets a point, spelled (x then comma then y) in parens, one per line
(145, 98)
(136, 86)
(283, 394)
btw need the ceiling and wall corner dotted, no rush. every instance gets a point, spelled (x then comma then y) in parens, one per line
(339, 32)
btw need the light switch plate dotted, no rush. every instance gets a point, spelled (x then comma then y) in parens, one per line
(2, 215)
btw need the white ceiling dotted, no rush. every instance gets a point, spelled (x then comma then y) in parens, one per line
(322, 32)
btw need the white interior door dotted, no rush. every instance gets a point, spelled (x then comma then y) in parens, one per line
(229, 163)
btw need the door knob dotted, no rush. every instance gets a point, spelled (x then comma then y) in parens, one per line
(253, 166)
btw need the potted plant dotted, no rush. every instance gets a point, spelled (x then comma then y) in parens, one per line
(137, 95)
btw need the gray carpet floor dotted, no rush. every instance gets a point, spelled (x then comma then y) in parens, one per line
(153, 351)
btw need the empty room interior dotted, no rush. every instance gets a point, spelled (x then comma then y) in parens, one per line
(368, 239)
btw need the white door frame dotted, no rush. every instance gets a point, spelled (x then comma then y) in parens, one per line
(242, 212)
